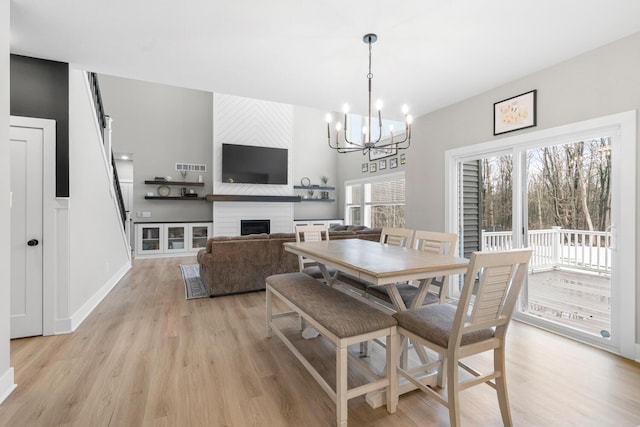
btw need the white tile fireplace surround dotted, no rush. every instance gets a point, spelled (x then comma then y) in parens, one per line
(227, 216)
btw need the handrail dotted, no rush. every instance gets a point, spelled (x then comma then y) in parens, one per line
(118, 190)
(97, 100)
(104, 123)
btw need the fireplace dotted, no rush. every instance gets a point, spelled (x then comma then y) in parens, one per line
(254, 226)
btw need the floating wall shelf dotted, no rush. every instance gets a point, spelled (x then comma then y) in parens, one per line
(182, 183)
(174, 198)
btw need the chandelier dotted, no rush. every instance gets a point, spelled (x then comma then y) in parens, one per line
(367, 142)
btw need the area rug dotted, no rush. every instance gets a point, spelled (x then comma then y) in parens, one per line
(193, 286)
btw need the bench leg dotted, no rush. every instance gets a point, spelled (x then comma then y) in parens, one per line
(341, 386)
(269, 312)
(393, 358)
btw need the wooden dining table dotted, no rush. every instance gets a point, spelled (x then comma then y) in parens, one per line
(381, 264)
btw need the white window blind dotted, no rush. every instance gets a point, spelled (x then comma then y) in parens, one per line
(376, 202)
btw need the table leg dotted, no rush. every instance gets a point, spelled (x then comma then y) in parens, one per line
(331, 280)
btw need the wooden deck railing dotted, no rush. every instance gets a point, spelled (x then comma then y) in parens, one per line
(559, 248)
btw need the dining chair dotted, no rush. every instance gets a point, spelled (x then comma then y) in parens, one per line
(312, 233)
(396, 236)
(478, 324)
(427, 241)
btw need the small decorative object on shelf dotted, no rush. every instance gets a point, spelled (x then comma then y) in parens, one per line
(305, 182)
(164, 190)
(184, 174)
(310, 193)
(324, 180)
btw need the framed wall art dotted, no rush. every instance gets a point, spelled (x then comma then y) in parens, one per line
(393, 163)
(381, 153)
(373, 167)
(365, 167)
(382, 164)
(515, 113)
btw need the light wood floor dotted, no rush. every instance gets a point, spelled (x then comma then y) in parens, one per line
(146, 356)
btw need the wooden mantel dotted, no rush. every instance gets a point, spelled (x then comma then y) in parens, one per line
(245, 198)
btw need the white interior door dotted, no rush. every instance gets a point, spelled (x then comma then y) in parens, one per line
(26, 231)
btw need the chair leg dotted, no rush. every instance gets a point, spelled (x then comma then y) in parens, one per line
(404, 353)
(501, 386)
(453, 390)
(441, 378)
(269, 313)
(364, 349)
(341, 386)
(393, 358)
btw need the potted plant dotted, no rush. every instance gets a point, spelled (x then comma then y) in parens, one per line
(324, 180)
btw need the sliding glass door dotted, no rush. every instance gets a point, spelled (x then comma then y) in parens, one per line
(561, 194)
(568, 225)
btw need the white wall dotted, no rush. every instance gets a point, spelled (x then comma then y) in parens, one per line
(125, 169)
(313, 160)
(599, 83)
(98, 254)
(6, 372)
(161, 125)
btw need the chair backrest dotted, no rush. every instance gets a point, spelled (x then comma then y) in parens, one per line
(500, 277)
(397, 237)
(437, 243)
(310, 233)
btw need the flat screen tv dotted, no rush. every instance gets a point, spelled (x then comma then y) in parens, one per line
(249, 164)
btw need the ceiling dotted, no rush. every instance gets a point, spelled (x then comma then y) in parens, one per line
(429, 54)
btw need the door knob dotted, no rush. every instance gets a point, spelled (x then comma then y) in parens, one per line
(33, 242)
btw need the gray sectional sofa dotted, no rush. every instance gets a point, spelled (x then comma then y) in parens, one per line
(232, 265)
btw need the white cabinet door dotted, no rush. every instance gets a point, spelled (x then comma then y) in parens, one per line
(199, 233)
(150, 239)
(175, 237)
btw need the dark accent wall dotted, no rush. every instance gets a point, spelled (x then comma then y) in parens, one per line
(40, 88)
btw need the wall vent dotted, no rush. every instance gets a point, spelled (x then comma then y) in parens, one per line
(190, 167)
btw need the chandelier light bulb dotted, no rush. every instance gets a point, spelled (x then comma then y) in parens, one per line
(345, 108)
(379, 104)
(391, 128)
(364, 130)
(409, 119)
(338, 127)
(405, 109)
(328, 118)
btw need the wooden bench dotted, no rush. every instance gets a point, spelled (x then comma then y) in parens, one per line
(341, 319)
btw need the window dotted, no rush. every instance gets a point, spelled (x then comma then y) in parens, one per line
(376, 202)
(356, 123)
(353, 213)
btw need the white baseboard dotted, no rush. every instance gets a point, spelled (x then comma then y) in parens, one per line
(6, 384)
(65, 326)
